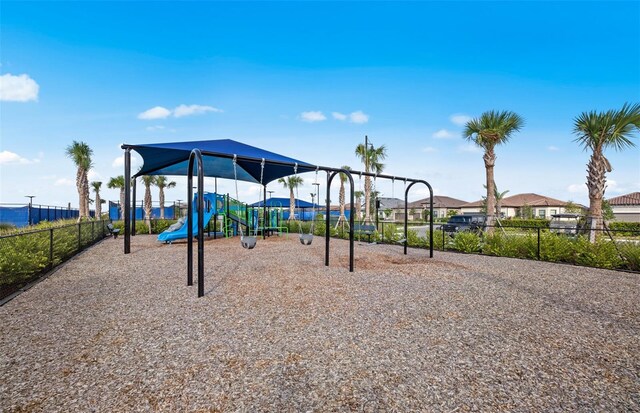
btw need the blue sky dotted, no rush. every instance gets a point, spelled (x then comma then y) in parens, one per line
(309, 80)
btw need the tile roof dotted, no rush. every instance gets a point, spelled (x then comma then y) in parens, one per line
(519, 200)
(628, 199)
(439, 201)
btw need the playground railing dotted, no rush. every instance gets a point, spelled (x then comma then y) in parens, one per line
(27, 256)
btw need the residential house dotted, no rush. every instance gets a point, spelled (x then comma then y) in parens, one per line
(441, 206)
(390, 209)
(539, 206)
(626, 208)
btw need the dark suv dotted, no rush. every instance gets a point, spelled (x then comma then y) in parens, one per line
(466, 222)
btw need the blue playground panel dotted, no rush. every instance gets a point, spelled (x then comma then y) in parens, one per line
(210, 209)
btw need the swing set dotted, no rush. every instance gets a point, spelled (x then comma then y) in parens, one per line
(229, 159)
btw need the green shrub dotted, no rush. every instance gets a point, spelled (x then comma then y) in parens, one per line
(524, 223)
(512, 245)
(413, 240)
(630, 252)
(625, 228)
(466, 241)
(601, 254)
(556, 247)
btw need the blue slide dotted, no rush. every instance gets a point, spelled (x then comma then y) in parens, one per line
(180, 233)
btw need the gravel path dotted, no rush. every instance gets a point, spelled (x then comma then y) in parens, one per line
(278, 331)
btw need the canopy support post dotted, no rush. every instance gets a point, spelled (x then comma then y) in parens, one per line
(195, 155)
(127, 200)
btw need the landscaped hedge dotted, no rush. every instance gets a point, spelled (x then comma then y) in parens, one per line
(628, 228)
(524, 223)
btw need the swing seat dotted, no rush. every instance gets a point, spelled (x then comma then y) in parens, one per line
(248, 242)
(306, 239)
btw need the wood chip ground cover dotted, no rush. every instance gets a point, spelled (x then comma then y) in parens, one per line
(279, 331)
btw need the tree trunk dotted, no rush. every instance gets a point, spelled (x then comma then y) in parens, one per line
(98, 206)
(161, 198)
(87, 193)
(80, 177)
(489, 163)
(147, 205)
(596, 182)
(122, 203)
(292, 204)
(341, 198)
(367, 199)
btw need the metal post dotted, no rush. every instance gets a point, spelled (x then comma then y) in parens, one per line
(327, 230)
(79, 236)
(92, 231)
(196, 155)
(406, 222)
(264, 210)
(127, 201)
(538, 243)
(351, 220)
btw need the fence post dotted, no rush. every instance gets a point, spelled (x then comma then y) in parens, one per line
(93, 237)
(443, 237)
(79, 235)
(538, 243)
(50, 247)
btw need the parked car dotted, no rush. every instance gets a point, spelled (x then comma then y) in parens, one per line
(568, 224)
(465, 222)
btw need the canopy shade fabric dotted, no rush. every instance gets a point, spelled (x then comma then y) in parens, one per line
(284, 203)
(172, 158)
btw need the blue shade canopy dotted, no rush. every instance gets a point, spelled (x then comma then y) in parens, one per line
(284, 203)
(172, 158)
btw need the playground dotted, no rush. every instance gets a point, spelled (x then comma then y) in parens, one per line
(278, 331)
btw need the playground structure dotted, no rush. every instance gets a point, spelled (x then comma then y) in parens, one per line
(229, 159)
(228, 215)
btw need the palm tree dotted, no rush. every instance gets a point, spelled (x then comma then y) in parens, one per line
(490, 129)
(81, 153)
(371, 157)
(118, 182)
(162, 182)
(341, 197)
(291, 182)
(96, 188)
(499, 197)
(358, 195)
(597, 132)
(148, 180)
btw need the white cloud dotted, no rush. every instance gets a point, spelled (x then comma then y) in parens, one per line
(577, 188)
(553, 148)
(7, 158)
(157, 112)
(63, 182)
(19, 88)
(154, 128)
(312, 116)
(358, 117)
(93, 175)
(459, 119)
(469, 148)
(188, 110)
(339, 116)
(119, 162)
(429, 149)
(443, 134)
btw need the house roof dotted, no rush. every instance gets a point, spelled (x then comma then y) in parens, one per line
(628, 199)
(439, 201)
(392, 203)
(520, 200)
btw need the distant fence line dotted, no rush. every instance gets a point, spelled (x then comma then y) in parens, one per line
(21, 215)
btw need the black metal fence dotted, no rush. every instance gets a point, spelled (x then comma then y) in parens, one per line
(26, 256)
(613, 249)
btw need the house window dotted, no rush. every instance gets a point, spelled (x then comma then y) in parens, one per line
(542, 213)
(553, 211)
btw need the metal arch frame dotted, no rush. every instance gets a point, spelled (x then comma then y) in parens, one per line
(406, 215)
(196, 155)
(327, 229)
